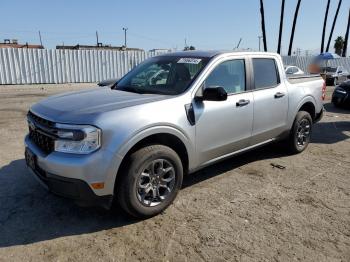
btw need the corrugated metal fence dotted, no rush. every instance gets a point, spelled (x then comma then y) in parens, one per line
(35, 66)
(303, 61)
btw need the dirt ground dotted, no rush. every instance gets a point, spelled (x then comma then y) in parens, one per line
(241, 209)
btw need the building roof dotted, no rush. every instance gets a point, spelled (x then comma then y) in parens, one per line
(13, 45)
(100, 47)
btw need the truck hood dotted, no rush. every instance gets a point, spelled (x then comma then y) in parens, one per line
(83, 106)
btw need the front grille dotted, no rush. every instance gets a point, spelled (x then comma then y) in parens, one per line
(38, 133)
(40, 120)
(44, 142)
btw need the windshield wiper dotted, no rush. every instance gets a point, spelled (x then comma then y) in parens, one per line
(128, 89)
(138, 90)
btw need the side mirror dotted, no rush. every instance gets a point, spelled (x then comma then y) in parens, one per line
(214, 93)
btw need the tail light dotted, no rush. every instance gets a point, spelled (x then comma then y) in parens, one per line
(324, 91)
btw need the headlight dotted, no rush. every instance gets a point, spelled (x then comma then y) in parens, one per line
(77, 139)
(340, 90)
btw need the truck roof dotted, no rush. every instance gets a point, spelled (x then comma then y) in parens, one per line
(212, 53)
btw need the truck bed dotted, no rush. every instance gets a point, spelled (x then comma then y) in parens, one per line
(295, 79)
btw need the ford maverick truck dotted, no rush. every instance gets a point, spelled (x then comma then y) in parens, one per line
(132, 141)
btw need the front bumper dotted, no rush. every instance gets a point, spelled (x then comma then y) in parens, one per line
(71, 188)
(71, 175)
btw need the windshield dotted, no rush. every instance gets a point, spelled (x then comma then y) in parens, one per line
(162, 75)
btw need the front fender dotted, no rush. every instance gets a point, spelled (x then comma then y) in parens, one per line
(164, 129)
(134, 138)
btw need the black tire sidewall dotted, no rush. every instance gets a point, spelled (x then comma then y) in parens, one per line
(138, 161)
(293, 139)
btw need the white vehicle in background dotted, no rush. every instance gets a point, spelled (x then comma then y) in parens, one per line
(293, 70)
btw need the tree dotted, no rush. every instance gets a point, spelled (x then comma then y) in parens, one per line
(262, 12)
(324, 26)
(338, 45)
(346, 36)
(333, 25)
(293, 28)
(281, 28)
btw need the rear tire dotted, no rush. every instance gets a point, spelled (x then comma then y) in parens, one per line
(150, 181)
(300, 133)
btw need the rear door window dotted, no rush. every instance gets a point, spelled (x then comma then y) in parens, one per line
(265, 73)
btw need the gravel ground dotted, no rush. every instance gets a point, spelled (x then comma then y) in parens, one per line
(241, 209)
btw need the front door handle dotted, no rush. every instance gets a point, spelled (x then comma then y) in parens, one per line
(242, 102)
(279, 95)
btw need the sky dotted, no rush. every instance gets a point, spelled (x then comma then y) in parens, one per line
(205, 24)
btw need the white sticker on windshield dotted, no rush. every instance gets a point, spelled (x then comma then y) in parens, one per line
(188, 60)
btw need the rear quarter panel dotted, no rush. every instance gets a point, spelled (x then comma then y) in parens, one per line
(302, 92)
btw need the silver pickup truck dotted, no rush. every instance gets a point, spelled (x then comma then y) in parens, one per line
(171, 115)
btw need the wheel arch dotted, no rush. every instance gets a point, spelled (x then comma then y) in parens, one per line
(307, 104)
(310, 108)
(170, 137)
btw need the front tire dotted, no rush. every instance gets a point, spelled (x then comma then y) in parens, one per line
(300, 133)
(150, 182)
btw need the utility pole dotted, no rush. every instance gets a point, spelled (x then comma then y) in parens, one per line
(97, 38)
(41, 42)
(260, 37)
(125, 29)
(333, 25)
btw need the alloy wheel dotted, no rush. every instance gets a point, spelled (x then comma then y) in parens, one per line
(303, 132)
(156, 182)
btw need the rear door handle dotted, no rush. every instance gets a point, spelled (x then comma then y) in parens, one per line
(242, 102)
(279, 95)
